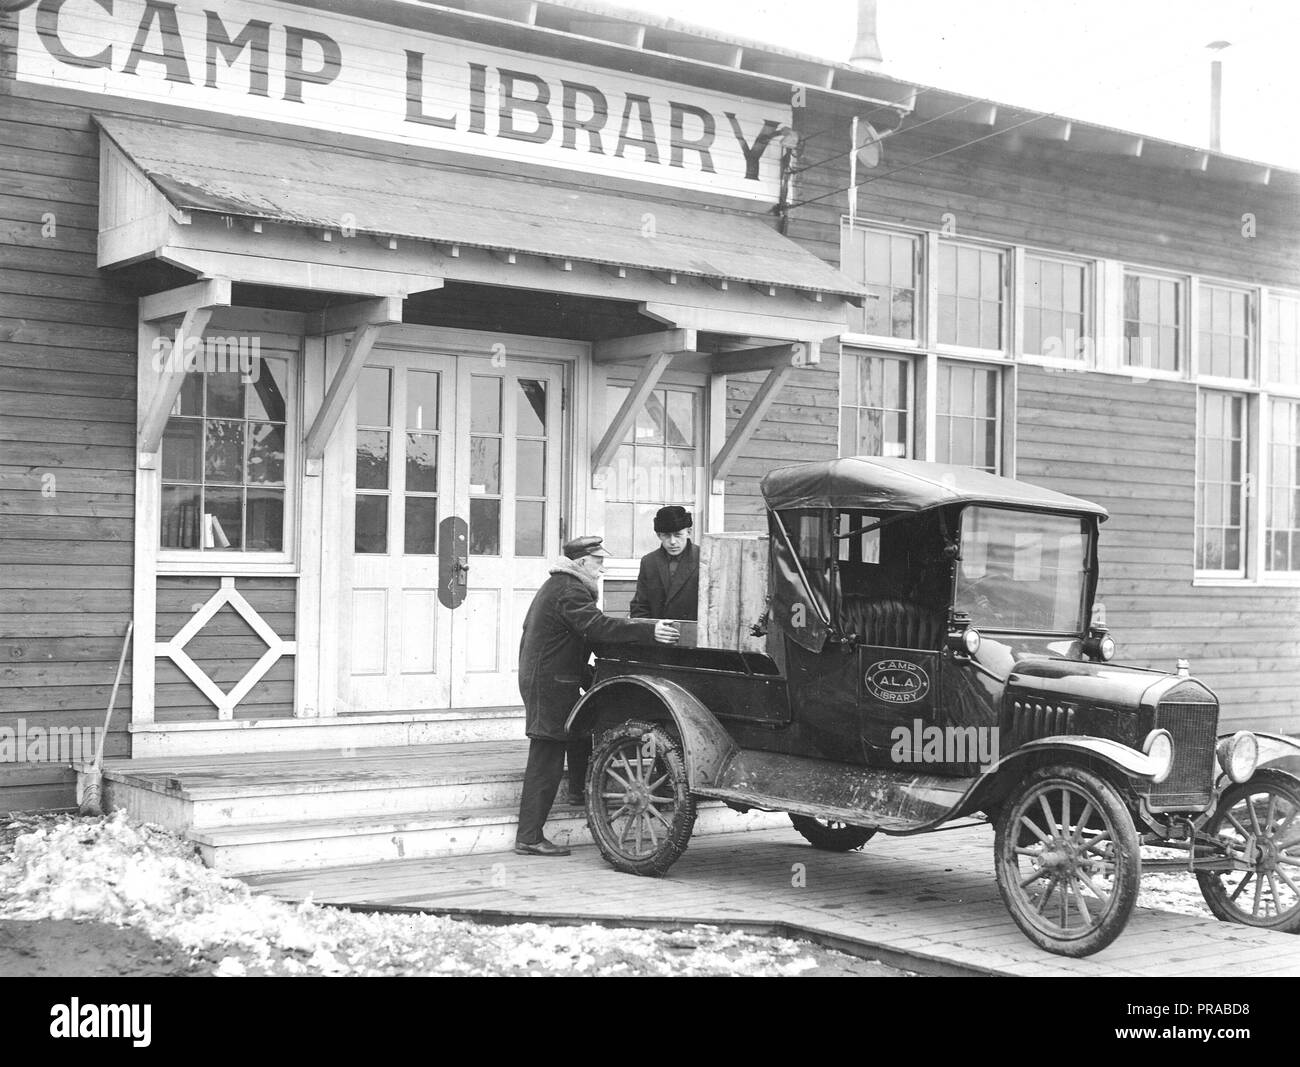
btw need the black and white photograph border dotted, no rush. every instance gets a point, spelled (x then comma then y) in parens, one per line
(559, 488)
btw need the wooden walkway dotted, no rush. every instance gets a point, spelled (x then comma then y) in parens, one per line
(926, 903)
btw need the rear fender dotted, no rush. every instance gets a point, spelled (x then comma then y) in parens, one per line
(707, 747)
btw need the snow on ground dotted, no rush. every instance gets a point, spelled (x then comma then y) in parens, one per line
(111, 870)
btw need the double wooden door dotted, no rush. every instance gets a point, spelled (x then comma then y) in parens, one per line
(455, 511)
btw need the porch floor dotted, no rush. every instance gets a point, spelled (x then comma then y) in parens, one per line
(926, 903)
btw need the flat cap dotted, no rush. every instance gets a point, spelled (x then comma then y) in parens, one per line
(589, 545)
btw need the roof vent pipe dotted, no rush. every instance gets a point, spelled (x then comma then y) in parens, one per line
(866, 49)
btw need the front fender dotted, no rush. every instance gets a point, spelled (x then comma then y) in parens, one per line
(1277, 752)
(706, 746)
(1127, 761)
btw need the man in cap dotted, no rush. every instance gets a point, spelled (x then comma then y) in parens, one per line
(668, 585)
(561, 625)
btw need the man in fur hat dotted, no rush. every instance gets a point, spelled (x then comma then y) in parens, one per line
(668, 585)
(562, 623)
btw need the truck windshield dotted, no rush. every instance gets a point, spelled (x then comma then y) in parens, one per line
(1022, 571)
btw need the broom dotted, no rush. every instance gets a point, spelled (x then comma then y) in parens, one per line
(92, 775)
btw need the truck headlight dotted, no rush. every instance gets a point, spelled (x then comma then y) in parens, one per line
(1159, 749)
(1099, 645)
(1239, 755)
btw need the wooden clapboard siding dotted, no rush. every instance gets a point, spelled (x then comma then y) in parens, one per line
(1243, 642)
(67, 415)
(226, 648)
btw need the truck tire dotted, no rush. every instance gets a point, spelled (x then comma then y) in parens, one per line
(639, 806)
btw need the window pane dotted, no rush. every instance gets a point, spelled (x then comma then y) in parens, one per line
(266, 453)
(421, 463)
(530, 468)
(421, 526)
(618, 529)
(530, 534)
(265, 520)
(903, 262)
(371, 535)
(224, 452)
(422, 400)
(182, 450)
(225, 396)
(680, 424)
(679, 476)
(878, 259)
(373, 388)
(650, 420)
(968, 272)
(485, 404)
(903, 314)
(991, 276)
(485, 527)
(485, 465)
(372, 459)
(223, 519)
(190, 400)
(180, 516)
(947, 269)
(530, 408)
(266, 394)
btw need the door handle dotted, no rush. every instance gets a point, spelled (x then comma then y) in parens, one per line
(462, 571)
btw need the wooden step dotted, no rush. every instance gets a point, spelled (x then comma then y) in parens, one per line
(312, 844)
(193, 792)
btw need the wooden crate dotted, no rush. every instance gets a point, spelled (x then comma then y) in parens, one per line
(733, 590)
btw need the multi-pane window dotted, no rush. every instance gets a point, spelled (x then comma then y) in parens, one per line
(655, 465)
(1055, 307)
(968, 402)
(876, 404)
(486, 441)
(888, 266)
(1282, 514)
(1282, 342)
(373, 468)
(1221, 458)
(223, 461)
(971, 296)
(1224, 342)
(1153, 318)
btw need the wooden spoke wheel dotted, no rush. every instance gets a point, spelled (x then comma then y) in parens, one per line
(1257, 827)
(639, 806)
(1068, 860)
(831, 836)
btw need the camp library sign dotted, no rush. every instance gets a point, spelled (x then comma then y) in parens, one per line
(335, 72)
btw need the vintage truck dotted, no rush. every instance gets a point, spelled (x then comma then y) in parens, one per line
(930, 653)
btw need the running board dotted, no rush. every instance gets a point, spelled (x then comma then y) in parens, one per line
(893, 801)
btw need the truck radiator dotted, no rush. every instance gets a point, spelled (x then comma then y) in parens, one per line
(1193, 723)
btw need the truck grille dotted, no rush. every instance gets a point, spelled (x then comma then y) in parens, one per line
(1193, 727)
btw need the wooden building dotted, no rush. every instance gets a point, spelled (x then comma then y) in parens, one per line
(323, 324)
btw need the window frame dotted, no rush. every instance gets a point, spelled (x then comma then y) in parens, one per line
(922, 272)
(173, 561)
(1185, 354)
(848, 353)
(706, 388)
(1009, 314)
(1254, 352)
(1249, 492)
(1091, 358)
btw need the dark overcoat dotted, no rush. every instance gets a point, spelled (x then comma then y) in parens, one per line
(561, 626)
(657, 597)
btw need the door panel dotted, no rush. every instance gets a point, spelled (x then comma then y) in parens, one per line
(456, 491)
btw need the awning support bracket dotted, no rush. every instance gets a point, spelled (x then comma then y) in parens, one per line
(651, 371)
(195, 304)
(744, 430)
(366, 319)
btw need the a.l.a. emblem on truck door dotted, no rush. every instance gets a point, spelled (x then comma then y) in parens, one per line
(897, 681)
